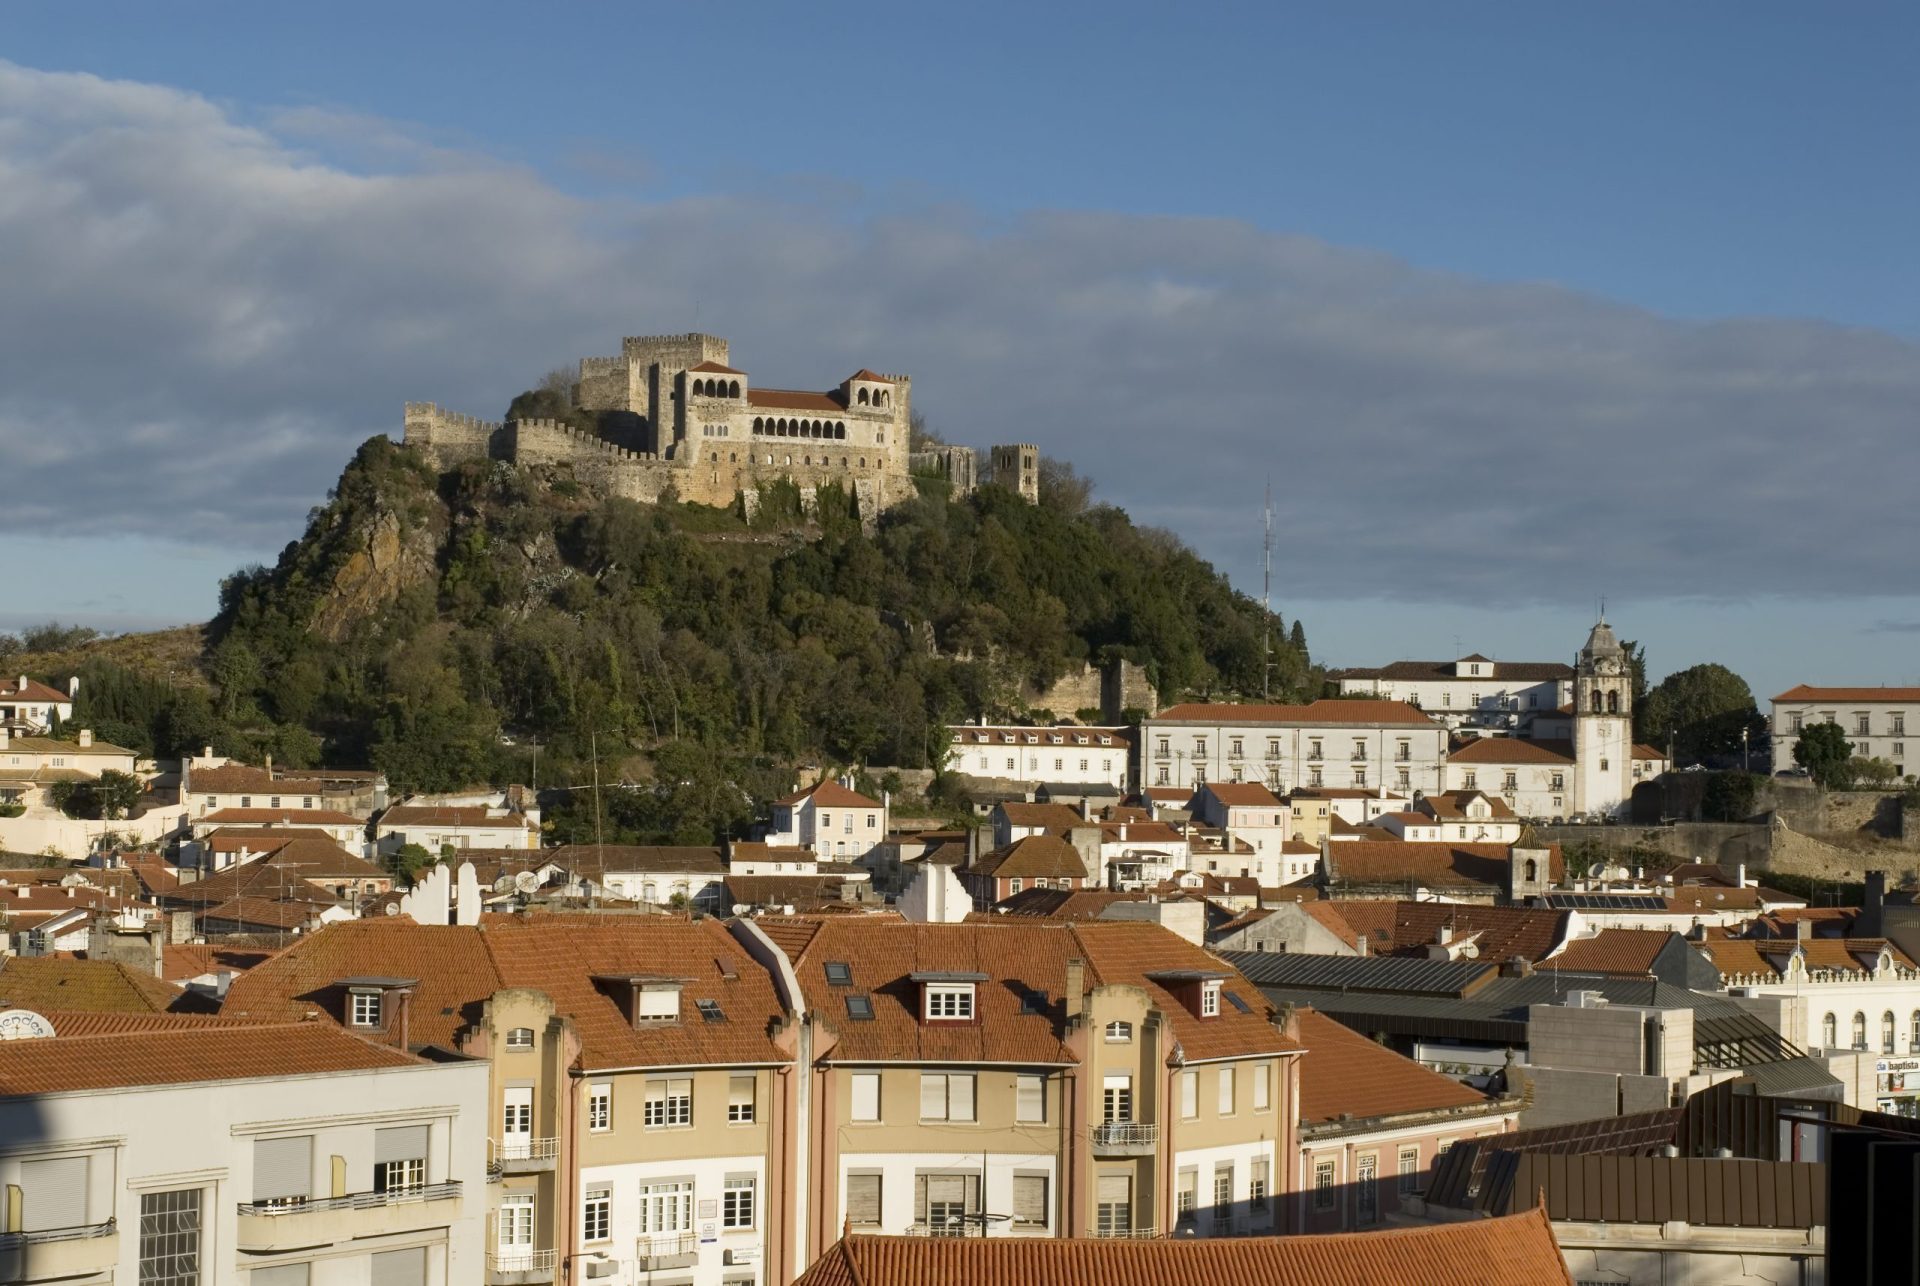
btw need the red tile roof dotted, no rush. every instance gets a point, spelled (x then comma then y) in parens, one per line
(1036, 856)
(796, 400)
(1344, 1073)
(1428, 863)
(309, 817)
(1749, 957)
(476, 816)
(715, 368)
(42, 983)
(1628, 952)
(1511, 750)
(1806, 692)
(1499, 932)
(1514, 1250)
(34, 690)
(1240, 794)
(830, 794)
(1641, 751)
(182, 961)
(864, 374)
(180, 1057)
(1325, 712)
(1451, 806)
(1058, 818)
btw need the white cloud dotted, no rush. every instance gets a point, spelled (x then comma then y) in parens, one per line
(202, 318)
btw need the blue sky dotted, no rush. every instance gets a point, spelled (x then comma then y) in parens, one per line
(1363, 207)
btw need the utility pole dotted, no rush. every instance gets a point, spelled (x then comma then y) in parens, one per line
(1266, 600)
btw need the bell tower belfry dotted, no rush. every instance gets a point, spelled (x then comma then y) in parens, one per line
(1602, 724)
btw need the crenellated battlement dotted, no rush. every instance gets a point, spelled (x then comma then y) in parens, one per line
(521, 430)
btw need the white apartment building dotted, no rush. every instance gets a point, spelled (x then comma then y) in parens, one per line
(1472, 692)
(1875, 720)
(1058, 756)
(1358, 744)
(153, 1149)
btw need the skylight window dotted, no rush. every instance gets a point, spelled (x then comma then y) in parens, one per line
(1233, 998)
(860, 1008)
(711, 1011)
(1033, 1002)
(839, 973)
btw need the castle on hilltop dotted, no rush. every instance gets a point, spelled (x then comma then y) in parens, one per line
(673, 416)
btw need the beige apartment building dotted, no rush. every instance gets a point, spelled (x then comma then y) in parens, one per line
(1032, 1079)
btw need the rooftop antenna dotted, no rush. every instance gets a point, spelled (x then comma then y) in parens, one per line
(1266, 599)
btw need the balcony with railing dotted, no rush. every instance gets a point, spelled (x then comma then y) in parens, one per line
(520, 1266)
(308, 1221)
(46, 1254)
(522, 1155)
(659, 1250)
(1129, 1232)
(1124, 1138)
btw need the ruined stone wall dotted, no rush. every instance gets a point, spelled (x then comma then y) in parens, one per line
(1109, 689)
(594, 462)
(447, 438)
(603, 384)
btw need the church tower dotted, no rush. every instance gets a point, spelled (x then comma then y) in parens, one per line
(1602, 724)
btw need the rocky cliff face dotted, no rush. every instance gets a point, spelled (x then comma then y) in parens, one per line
(383, 558)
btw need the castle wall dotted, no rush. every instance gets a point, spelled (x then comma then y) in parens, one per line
(654, 364)
(448, 438)
(604, 384)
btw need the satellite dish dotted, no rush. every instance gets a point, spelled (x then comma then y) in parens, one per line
(23, 1024)
(393, 908)
(526, 882)
(1597, 870)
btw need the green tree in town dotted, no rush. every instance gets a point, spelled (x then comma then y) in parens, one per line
(1704, 708)
(1824, 751)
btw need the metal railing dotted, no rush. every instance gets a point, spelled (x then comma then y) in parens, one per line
(524, 1148)
(1125, 1134)
(972, 1226)
(78, 1232)
(354, 1200)
(1132, 1232)
(664, 1245)
(521, 1261)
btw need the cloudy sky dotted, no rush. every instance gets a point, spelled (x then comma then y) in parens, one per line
(1516, 311)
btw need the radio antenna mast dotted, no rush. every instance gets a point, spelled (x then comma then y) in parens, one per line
(1266, 599)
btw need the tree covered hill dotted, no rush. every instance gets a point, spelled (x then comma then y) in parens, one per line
(497, 623)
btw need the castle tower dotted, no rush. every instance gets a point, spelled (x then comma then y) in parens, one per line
(1017, 468)
(1602, 724)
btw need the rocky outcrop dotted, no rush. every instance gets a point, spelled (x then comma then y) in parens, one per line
(385, 558)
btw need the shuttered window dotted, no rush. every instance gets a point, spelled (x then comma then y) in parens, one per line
(739, 1099)
(279, 1275)
(1262, 1086)
(283, 1169)
(863, 1200)
(1030, 1200)
(944, 1200)
(1113, 1195)
(1031, 1098)
(400, 1143)
(400, 1267)
(866, 1096)
(946, 1098)
(933, 1098)
(1226, 1091)
(1189, 1094)
(53, 1194)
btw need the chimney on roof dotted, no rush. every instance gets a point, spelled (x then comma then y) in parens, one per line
(206, 752)
(23, 684)
(1740, 875)
(86, 737)
(1076, 983)
(269, 767)
(1802, 929)
(1445, 935)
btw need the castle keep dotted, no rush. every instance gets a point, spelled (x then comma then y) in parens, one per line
(674, 414)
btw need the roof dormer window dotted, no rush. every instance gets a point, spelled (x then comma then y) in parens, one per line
(1210, 1000)
(657, 1005)
(948, 997)
(646, 999)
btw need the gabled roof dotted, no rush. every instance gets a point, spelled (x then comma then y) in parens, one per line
(201, 1052)
(10, 690)
(1058, 818)
(1643, 751)
(1807, 692)
(1036, 856)
(596, 861)
(1064, 904)
(1523, 671)
(1758, 957)
(270, 914)
(472, 817)
(61, 746)
(1451, 806)
(1427, 863)
(41, 983)
(1408, 928)
(715, 368)
(830, 794)
(1240, 794)
(1511, 750)
(1345, 1074)
(298, 817)
(864, 374)
(1326, 712)
(790, 399)
(1630, 952)
(1517, 1250)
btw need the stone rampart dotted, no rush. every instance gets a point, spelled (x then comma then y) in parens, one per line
(448, 438)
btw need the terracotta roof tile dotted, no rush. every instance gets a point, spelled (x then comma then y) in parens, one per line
(181, 961)
(830, 794)
(1053, 817)
(1629, 952)
(476, 816)
(1749, 957)
(1511, 750)
(1345, 1073)
(1451, 805)
(1329, 916)
(715, 368)
(1240, 794)
(1642, 751)
(1130, 953)
(1432, 864)
(177, 1057)
(1514, 1250)
(791, 399)
(34, 690)
(42, 983)
(309, 817)
(1500, 932)
(1525, 671)
(1806, 692)
(1041, 856)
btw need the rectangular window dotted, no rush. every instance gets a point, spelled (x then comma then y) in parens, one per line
(400, 1158)
(1209, 999)
(1164, 750)
(866, 1096)
(596, 1215)
(1257, 1186)
(170, 1238)
(1186, 1193)
(1366, 1189)
(736, 1202)
(1226, 1091)
(1899, 725)
(1262, 1086)
(658, 1005)
(943, 1202)
(1234, 748)
(53, 1193)
(1223, 1192)
(950, 1001)
(1199, 747)
(666, 1207)
(1030, 1098)
(1113, 1205)
(846, 825)
(1409, 1171)
(1030, 1200)
(946, 1097)
(282, 1171)
(1189, 1095)
(364, 1009)
(826, 821)
(1323, 1185)
(669, 1104)
(739, 1100)
(863, 1200)
(600, 1107)
(1273, 747)
(1860, 725)
(1116, 1098)
(1797, 721)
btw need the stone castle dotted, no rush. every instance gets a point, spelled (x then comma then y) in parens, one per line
(675, 417)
